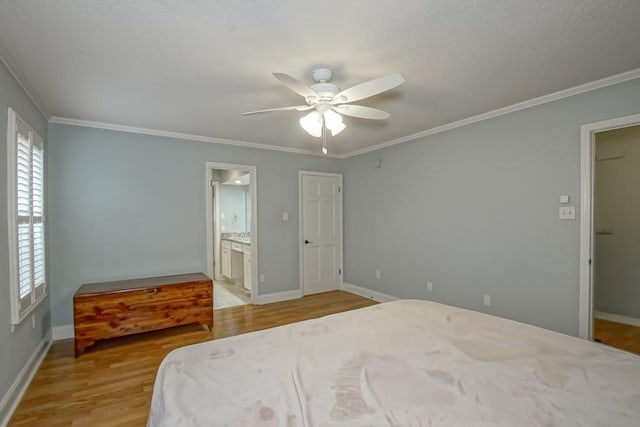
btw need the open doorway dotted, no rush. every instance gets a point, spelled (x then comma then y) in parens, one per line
(610, 233)
(616, 209)
(231, 233)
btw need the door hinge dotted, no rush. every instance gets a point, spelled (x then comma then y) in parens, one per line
(589, 261)
(339, 272)
(339, 188)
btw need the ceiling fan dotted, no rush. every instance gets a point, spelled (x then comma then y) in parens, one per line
(329, 103)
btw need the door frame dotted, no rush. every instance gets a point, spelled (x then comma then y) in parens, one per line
(587, 179)
(301, 174)
(217, 271)
(209, 215)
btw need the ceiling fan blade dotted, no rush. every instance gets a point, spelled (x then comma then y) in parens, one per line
(295, 85)
(367, 89)
(361, 112)
(295, 107)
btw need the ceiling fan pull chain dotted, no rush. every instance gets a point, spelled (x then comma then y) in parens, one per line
(324, 138)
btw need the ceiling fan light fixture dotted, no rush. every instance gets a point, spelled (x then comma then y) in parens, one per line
(333, 121)
(337, 129)
(312, 123)
(329, 102)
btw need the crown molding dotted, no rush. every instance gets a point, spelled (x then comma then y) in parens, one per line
(7, 60)
(576, 90)
(186, 136)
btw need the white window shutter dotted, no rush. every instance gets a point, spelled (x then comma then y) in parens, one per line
(23, 195)
(37, 177)
(26, 217)
(23, 169)
(37, 203)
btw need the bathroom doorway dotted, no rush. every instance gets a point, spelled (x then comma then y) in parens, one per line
(231, 233)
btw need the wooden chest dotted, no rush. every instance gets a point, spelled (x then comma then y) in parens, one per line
(114, 309)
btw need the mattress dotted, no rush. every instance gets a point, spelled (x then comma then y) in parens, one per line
(401, 363)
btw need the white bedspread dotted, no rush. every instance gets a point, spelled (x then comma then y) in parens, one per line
(402, 363)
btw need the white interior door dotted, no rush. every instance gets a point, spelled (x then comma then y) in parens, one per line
(321, 226)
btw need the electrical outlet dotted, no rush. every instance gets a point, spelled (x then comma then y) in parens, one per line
(429, 286)
(377, 274)
(261, 277)
(486, 299)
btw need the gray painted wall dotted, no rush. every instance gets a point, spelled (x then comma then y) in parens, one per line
(475, 211)
(124, 205)
(16, 348)
(617, 210)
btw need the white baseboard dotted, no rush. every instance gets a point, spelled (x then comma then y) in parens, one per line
(617, 318)
(368, 293)
(278, 296)
(63, 332)
(11, 400)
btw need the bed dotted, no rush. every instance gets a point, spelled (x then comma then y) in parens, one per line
(401, 363)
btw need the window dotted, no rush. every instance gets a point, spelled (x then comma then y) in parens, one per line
(25, 192)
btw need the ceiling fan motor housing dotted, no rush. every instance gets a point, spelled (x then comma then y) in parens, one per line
(325, 90)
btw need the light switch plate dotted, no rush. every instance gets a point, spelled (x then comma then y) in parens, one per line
(564, 199)
(285, 216)
(567, 212)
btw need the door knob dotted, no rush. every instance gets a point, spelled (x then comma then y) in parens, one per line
(307, 242)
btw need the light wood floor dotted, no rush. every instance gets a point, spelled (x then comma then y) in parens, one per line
(618, 335)
(111, 384)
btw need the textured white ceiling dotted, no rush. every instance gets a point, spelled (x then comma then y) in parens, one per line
(194, 66)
